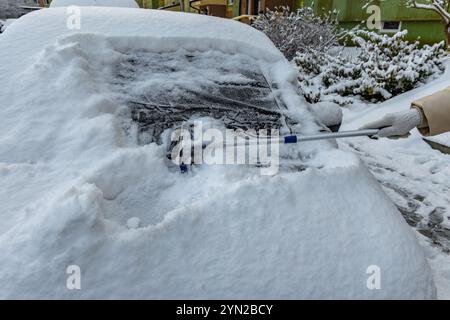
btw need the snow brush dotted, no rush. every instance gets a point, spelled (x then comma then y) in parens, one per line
(292, 139)
(326, 136)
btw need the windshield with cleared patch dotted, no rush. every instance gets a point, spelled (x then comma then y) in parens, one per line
(163, 90)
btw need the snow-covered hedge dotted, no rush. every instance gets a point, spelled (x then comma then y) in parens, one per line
(11, 9)
(381, 67)
(299, 31)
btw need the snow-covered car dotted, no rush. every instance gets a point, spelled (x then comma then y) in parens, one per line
(95, 3)
(85, 185)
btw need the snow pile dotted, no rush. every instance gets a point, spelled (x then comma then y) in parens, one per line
(77, 189)
(95, 3)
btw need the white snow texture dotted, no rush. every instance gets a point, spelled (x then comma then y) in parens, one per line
(72, 178)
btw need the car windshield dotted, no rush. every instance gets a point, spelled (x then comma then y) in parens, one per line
(163, 90)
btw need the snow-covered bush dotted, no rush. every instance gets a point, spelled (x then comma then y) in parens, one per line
(299, 31)
(11, 9)
(381, 67)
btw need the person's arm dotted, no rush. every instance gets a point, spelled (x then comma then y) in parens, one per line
(431, 115)
(397, 124)
(436, 112)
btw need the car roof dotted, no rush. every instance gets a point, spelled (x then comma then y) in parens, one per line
(155, 29)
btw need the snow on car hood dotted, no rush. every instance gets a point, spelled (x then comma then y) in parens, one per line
(72, 174)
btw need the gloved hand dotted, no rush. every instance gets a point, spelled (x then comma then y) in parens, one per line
(397, 124)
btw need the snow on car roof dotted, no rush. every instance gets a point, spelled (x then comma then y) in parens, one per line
(33, 32)
(97, 3)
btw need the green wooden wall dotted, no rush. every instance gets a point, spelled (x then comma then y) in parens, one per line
(420, 23)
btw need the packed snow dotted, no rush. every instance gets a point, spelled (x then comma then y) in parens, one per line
(78, 189)
(415, 176)
(95, 3)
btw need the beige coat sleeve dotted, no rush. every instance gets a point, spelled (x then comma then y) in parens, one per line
(436, 109)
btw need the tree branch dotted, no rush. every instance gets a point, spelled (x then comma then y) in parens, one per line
(434, 6)
(443, 12)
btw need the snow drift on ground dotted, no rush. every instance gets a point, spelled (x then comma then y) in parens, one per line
(77, 189)
(95, 3)
(416, 177)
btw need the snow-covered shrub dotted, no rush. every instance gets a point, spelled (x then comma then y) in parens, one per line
(381, 67)
(299, 31)
(11, 9)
